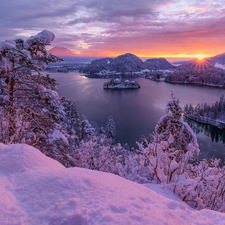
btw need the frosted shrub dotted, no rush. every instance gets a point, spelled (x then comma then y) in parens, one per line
(171, 157)
(97, 154)
(202, 186)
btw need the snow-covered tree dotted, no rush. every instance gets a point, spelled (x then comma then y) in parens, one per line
(110, 128)
(172, 160)
(204, 113)
(173, 146)
(27, 100)
(87, 131)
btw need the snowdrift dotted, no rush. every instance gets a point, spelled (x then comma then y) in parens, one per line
(35, 189)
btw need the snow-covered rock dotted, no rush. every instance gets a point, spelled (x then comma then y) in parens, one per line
(35, 189)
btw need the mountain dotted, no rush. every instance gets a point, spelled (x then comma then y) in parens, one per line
(61, 52)
(157, 64)
(123, 63)
(98, 65)
(126, 63)
(197, 65)
(201, 72)
(220, 59)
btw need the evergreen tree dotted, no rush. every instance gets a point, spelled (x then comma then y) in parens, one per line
(87, 131)
(173, 143)
(27, 100)
(191, 109)
(111, 128)
(216, 110)
(186, 109)
(220, 108)
(172, 126)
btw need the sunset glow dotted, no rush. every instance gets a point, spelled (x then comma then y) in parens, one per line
(181, 29)
(201, 57)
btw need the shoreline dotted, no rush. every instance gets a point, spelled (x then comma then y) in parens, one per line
(204, 120)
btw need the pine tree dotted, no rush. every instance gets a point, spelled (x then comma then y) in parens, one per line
(87, 131)
(191, 109)
(111, 128)
(221, 103)
(173, 143)
(186, 109)
(27, 100)
(172, 126)
(216, 110)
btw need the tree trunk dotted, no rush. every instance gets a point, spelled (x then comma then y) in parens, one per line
(11, 110)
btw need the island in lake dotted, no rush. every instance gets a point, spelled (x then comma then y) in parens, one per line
(121, 84)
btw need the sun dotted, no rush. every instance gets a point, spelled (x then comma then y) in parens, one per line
(200, 56)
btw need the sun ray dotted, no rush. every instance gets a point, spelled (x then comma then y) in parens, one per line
(198, 70)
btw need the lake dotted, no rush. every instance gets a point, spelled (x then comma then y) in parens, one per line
(136, 112)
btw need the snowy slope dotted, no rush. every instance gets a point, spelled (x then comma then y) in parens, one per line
(35, 189)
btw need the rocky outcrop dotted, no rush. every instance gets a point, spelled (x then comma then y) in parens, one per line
(157, 64)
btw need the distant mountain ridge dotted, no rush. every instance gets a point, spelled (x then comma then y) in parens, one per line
(126, 63)
(61, 52)
(130, 61)
(197, 65)
(220, 59)
(157, 64)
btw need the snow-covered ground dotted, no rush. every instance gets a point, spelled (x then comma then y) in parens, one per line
(35, 189)
(220, 66)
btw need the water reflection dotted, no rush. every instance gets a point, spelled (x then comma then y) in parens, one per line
(204, 133)
(136, 112)
(213, 132)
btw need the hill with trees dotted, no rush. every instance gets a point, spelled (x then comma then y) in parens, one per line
(124, 64)
(220, 59)
(197, 72)
(157, 64)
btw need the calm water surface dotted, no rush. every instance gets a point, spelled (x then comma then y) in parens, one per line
(136, 112)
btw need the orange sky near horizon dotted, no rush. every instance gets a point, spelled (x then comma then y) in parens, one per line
(98, 28)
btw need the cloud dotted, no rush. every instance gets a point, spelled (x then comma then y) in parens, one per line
(118, 26)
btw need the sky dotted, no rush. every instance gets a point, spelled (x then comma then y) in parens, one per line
(146, 28)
